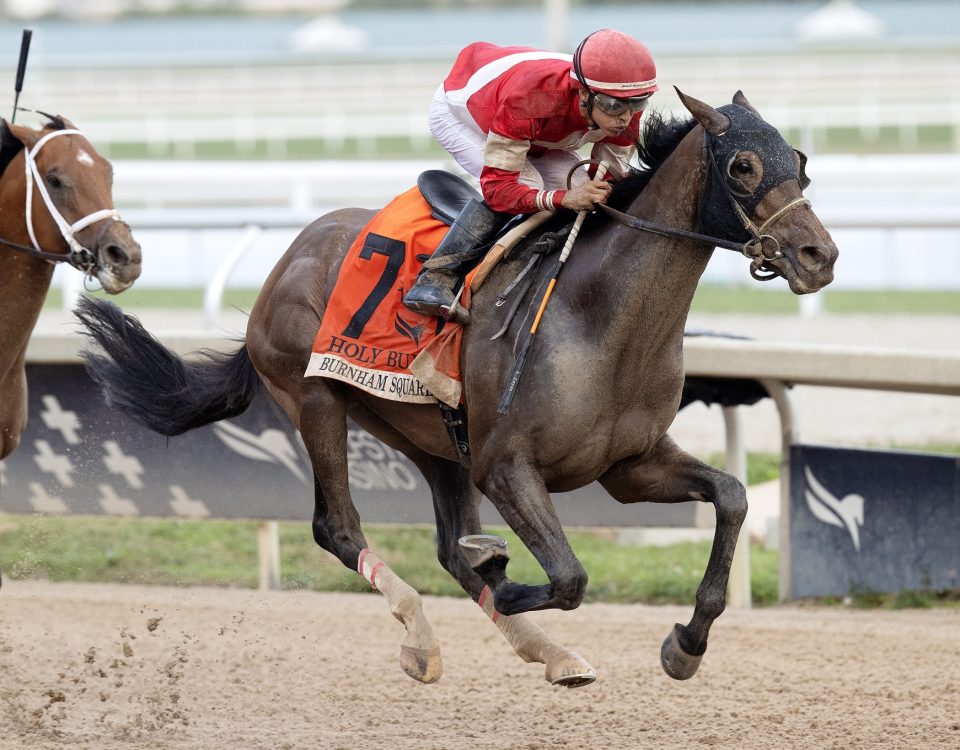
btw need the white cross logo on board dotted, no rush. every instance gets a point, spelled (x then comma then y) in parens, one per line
(53, 463)
(55, 418)
(118, 462)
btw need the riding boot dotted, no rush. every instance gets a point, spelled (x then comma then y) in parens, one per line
(432, 293)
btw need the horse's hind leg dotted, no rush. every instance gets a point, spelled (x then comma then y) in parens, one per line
(336, 528)
(456, 503)
(668, 475)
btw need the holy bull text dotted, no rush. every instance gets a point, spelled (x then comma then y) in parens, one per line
(369, 355)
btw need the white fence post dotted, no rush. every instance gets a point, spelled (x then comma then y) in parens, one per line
(213, 294)
(738, 587)
(268, 548)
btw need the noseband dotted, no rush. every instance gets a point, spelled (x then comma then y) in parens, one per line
(79, 256)
(761, 248)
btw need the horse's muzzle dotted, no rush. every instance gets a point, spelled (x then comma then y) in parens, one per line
(118, 258)
(808, 268)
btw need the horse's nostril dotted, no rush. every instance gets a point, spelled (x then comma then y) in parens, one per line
(812, 258)
(115, 254)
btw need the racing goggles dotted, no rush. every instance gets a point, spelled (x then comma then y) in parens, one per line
(612, 105)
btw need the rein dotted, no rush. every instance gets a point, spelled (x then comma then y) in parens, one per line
(79, 257)
(752, 248)
(761, 248)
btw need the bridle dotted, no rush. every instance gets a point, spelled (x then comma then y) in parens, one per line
(79, 257)
(761, 248)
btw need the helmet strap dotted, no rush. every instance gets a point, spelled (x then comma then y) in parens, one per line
(578, 72)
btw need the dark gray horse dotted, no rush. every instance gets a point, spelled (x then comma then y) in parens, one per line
(601, 386)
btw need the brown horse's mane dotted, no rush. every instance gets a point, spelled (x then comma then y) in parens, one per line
(10, 146)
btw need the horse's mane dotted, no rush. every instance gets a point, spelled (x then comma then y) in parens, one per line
(659, 139)
(11, 146)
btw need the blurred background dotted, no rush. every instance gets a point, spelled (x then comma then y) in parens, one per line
(268, 113)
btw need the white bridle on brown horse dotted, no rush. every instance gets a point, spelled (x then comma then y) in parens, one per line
(79, 257)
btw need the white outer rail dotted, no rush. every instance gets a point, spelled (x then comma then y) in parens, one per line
(778, 365)
(254, 221)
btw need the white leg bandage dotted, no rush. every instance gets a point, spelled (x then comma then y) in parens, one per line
(420, 650)
(532, 644)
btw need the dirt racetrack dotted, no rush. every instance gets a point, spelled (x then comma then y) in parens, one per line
(102, 667)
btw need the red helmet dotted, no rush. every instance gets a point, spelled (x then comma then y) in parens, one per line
(610, 62)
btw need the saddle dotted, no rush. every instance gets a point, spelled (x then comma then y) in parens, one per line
(367, 337)
(446, 194)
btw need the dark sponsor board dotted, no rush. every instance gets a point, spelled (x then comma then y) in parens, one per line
(77, 456)
(873, 521)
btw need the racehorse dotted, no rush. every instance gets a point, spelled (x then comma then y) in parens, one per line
(56, 205)
(601, 387)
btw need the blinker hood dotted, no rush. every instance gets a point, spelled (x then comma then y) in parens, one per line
(747, 132)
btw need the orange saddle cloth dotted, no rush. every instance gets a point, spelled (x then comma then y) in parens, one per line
(367, 338)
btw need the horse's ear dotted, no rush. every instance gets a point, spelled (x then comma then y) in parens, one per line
(10, 143)
(57, 122)
(24, 135)
(713, 121)
(740, 99)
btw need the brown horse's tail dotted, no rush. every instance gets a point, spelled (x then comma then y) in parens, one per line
(153, 385)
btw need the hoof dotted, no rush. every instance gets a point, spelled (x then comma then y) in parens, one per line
(575, 680)
(422, 664)
(572, 671)
(675, 661)
(480, 549)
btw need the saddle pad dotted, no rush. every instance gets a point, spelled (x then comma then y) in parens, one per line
(367, 338)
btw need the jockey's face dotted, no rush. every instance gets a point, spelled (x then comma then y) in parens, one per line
(610, 124)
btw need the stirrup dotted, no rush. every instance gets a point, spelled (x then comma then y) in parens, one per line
(455, 313)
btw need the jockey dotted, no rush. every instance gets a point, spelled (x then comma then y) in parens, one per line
(514, 118)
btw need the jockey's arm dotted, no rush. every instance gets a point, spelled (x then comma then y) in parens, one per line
(616, 156)
(503, 161)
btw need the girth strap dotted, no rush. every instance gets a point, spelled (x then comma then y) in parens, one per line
(456, 423)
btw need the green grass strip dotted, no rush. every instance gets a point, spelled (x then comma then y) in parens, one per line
(224, 553)
(709, 299)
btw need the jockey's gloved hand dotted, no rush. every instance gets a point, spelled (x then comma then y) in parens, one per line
(586, 196)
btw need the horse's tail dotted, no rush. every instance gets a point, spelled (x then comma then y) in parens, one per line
(153, 385)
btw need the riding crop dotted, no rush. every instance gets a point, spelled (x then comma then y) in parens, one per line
(517, 370)
(21, 69)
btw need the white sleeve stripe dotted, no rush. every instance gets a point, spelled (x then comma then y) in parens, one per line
(492, 70)
(505, 153)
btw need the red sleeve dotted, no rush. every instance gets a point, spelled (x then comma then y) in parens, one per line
(503, 192)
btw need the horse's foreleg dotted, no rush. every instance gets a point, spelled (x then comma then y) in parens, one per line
(336, 528)
(668, 475)
(517, 491)
(13, 410)
(456, 505)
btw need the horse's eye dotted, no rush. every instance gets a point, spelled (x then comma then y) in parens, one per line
(53, 181)
(742, 167)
